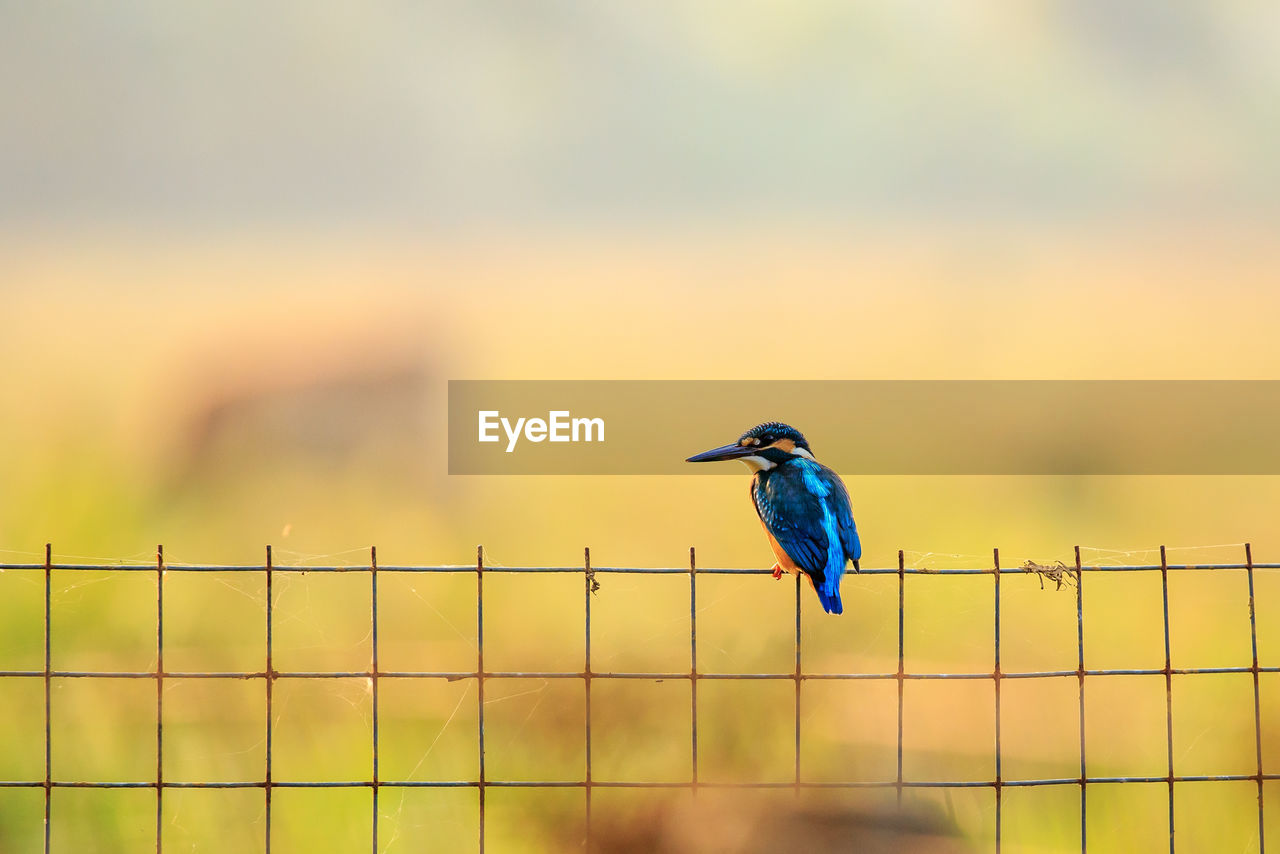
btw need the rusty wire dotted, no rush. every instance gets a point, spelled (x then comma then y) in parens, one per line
(1058, 573)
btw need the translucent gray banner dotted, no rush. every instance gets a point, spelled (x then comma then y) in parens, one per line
(915, 427)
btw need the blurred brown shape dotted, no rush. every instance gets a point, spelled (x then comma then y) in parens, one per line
(329, 417)
(723, 824)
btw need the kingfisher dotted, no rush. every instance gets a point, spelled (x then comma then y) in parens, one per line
(803, 507)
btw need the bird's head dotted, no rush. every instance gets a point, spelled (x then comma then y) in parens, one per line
(761, 448)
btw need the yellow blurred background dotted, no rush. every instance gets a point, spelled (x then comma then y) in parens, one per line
(242, 250)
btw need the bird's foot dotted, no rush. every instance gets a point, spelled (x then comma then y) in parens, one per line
(777, 572)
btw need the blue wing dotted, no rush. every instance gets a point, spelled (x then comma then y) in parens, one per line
(805, 507)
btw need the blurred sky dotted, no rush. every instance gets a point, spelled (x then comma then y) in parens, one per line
(440, 114)
(244, 247)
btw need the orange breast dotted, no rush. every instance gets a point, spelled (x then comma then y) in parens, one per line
(784, 560)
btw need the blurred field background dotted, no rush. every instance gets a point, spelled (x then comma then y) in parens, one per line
(242, 250)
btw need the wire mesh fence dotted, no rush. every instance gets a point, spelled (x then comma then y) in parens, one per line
(1071, 576)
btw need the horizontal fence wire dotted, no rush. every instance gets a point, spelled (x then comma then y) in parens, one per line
(375, 783)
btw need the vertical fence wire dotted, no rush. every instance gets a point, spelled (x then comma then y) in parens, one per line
(1084, 780)
(1168, 686)
(480, 681)
(1257, 698)
(270, 678)
(159, 694)
(996, 676)
(48, 681)
(902, 674)
(693, 669)
(589, 579)
(373, 682)
(798, 680)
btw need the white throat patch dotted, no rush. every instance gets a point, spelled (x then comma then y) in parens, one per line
(758, 463)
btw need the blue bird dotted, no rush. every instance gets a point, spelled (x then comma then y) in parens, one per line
(802, 505)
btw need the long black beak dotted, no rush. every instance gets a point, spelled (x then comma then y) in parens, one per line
(727, 452)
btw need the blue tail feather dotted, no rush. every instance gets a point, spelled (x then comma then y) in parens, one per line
(829, 596)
